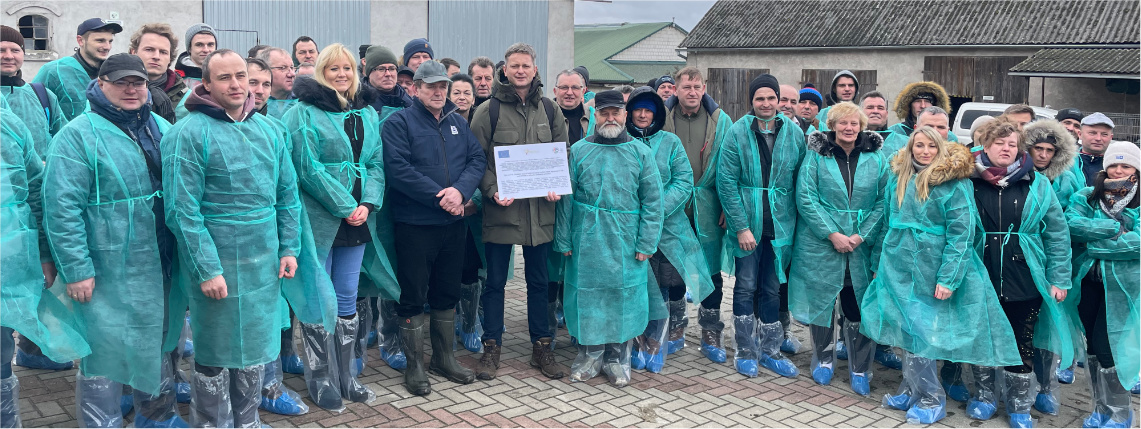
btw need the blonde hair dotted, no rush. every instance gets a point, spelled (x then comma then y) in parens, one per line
(904, 169)
(326, 58)
(844, 110)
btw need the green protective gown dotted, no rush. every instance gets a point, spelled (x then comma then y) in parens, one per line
(706, 206)
(926, 244)
(68, 80)
(1045, 242)
(231, 201)
(323, 158)
(556, 262)
(23, 298)
(276, 108)
(307, 251)
(741, 186)
(101, 225)
(1066, 185)
(824, 207)
(615, 212)
(1099, 240)
(678, 243)
(42, 123)
(375, 279)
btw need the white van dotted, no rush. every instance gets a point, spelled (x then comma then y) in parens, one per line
(968, 112)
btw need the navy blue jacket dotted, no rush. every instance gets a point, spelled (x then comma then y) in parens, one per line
(422, 156)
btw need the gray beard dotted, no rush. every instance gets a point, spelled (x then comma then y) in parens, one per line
(610, 131)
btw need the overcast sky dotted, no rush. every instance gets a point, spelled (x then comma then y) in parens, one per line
(684, 13)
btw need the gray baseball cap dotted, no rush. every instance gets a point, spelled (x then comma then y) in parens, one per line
(1097, 118)
(431, 71)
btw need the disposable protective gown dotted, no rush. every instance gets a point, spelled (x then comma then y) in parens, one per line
(379, 279)
(42, 123)
(930, 243)
(824, 207)
(615, 212)
(68, 80)
(1116, 253)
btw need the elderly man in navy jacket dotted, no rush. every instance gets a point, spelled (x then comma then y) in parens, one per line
(433, 164)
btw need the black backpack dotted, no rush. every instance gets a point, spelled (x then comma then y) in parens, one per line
(45, 102)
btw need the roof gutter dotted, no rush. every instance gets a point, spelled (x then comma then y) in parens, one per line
(817, 48)
(1077, 75)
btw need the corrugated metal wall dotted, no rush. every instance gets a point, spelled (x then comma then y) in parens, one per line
(467, 29)
(279, 23)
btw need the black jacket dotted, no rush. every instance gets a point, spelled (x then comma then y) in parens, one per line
(1000, 210)
(162, 104)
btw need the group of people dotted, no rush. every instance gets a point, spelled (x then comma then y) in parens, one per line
(151, 215)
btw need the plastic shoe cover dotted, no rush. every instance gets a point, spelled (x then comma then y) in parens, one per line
(358, 365)
(286, 404)
(469, 329)
(771, 335)
(1110, 423)
(958, 392)
(688, 297)
(984, 403)
(711, 329)
(39, 361)
(1046, 403)
(638, 360)
(1136, 390)
(1094, 420)
(173, 422)
(1065, 375)
(210, 406)
(389, 336)
(822, 375)
(321, 367)
(791, 344)
(899, 402)
(782, 367)
(651, 344)
(616, 363)
(746, 367)
(677, 323)
(588, 363)
(674, 346)
(655, 363)
(980, 410)
(745, 341)
(1101, 412)
(188, 349)
(10, 401)
(472, 342)
(714, 354)
(951, 377)
(924, 415)
(395, 359)
(860, 384)
(1045, 372)
(372, 338)
(346, 341)
(1018, 420)
(182, 392)
(245, 395)
(823, 355)
(1118, 400)
(928, 402)
(841, 350)
(886, 356)
(126, 404)
(161, 410)
(291, 364)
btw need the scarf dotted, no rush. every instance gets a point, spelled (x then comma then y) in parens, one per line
(1118, 194)
(917, 166)
(1002, 177)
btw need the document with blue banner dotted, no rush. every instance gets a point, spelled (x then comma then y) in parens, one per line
(532, 170)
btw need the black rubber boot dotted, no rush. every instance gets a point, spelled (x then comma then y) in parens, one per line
(443, 355)
(412, 342)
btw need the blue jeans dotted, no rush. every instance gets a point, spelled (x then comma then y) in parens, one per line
(344, 267)
(757, 290)
(535, 267)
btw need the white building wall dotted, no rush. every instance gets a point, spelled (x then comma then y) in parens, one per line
(660, 46)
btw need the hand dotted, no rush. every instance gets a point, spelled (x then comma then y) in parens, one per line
(503, 203)
(81, 290)
(1058, 294)
(942, 292)
(469, 208)
(641, 256)
(552, 196)
(721, 222)
(840, 242)
(746, 241)
(856, 241)
(451, 200)
(567, 253)
(288, 267)
(49, 273)
(359, 216)
(215, 287)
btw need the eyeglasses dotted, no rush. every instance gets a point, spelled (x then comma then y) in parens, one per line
(282, 69)
(383, 69)
(123, 84)
(565, 88)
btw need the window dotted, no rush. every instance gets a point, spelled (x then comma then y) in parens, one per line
(34, 28)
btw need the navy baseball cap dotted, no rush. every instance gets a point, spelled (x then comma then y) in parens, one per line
(98, 24)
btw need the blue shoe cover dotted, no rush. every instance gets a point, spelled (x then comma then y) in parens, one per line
(674, 346)
(688, 297)
(182, 393)
(473, 343)
(126, 404)
(559, 317)
(40, 362)
(395, 360)
(897, 402)
(822, 375)
(957, 392)
(841, 351)
(1021, 420)
(284, 405)
(173, 422)
(372, 339)
(1065, 375)
(1046, 403)
(980, 410)
(1094, 420)
(782, 367)
(787, 346)
(1108, 422)
(574, 342)
(926, 416)
(860, 385)
(715, 354)
(655, 363)
(358, 365)
(888, 358)
(638, 359)
(188, 349)
(291, 364)
(747, 367)
(1136, 390)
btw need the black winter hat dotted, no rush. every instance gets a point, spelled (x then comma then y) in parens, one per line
(764, 81)
(1069, 113)
(584, 73)
(609, 98)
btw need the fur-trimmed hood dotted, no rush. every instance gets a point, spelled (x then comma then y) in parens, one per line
(958, 164)
(1064, 143)
(905, 97)
(825, 142)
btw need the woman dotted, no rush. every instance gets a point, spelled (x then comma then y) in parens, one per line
(1103, 222)
(929, 296)
(463, 94)
(1026, 251)
(468, 326)
(336, 151)
(840, 195)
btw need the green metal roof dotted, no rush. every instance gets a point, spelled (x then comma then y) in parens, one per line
(595, 44)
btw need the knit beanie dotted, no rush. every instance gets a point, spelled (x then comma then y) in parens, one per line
(9, 34)
(764, 81)
(1121, 152)
(584, 73)
(377, 55)
(810, 94)
(417, 45)
(198, 29)
(643, 103)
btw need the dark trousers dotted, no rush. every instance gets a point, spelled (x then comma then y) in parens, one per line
(1091, 311)
(472, 263)
(535, 269)
(713, 301)
(428, 266)
(849, 306)
(757, 290)
(669, 279)
(1023, 315)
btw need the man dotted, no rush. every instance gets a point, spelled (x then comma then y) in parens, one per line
(609, 230)
(41, 115)
(232, 257)
(517, 114)
(261, 83)
(1097, 134)
(875, 107)
(761, 157)
(68, 77)
(701, 126)
(381, 68)
(1019, 114)
(416, 51)
(931, 116)
(481, 70)
(100, 269)
(281, 67)
(428, 211)
(155, 44)
(665, 86)
(844, 88)
(789, 96)
(588, 95)
(201, 40)
(404, 79)
(809, 106)
(306, 69)
(452, 65)
(911, 101)
(305, 51)
(255, 50)
(1071, 118)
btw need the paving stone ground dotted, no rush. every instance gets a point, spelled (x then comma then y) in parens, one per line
(690, 392)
